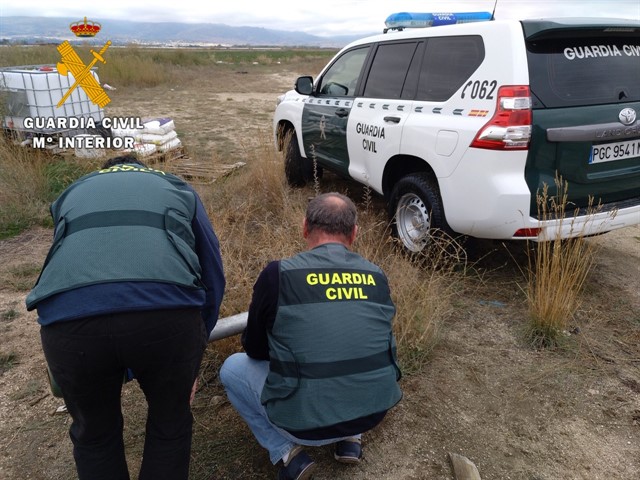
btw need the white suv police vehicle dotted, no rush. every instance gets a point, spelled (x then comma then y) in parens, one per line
(460, 126)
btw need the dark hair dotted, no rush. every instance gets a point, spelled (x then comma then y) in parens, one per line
(122, 160)
(332, 213)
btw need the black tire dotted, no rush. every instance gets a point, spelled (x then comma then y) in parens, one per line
(417, 213)
(297, 169)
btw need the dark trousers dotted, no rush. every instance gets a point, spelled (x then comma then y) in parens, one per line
(88, 359)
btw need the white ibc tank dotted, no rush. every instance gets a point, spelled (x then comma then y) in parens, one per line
(35, 92)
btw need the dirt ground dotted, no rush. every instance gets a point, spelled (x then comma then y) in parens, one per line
(516, 413)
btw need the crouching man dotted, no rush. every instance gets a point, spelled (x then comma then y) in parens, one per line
(320, 363)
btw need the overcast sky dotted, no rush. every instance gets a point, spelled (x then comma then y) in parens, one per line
(325, 17)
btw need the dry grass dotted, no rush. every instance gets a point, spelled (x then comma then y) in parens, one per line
(477, 368)
(258, 218)
(23, 188)
(29, 181)
(558, 270)
(7, 361)
(139, 66)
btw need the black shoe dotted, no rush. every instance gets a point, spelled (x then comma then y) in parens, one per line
(348, 451)
(298, 467)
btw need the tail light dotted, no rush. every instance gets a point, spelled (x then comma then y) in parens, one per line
(527, 232)
(510, 126)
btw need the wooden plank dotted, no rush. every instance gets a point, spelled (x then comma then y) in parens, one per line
(166, 156)
(199, 173)
(463, 468)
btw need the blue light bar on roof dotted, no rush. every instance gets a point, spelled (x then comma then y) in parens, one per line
(401, 20)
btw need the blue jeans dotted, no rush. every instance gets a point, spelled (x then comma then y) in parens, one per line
(243, 379)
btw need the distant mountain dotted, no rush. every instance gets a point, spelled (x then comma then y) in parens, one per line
(47, 29)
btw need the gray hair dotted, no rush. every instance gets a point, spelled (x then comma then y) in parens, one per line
(331, 213)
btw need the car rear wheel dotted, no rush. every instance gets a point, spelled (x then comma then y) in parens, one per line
(417, 212)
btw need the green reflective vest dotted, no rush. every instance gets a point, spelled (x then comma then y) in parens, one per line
(124, 223)
(332, 349)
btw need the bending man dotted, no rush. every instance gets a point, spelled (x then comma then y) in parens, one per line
(133, 280)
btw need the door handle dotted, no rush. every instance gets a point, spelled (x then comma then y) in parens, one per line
(392, 119)
(342, 112)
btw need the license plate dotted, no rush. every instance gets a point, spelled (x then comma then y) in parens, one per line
(614, 151)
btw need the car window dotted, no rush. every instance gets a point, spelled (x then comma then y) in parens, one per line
(388, 73)
(341, 79)
(448, 63)
(585, 71)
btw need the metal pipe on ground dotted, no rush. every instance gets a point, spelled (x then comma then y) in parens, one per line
(229, 326)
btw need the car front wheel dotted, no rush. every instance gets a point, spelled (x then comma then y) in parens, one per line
(298, 170)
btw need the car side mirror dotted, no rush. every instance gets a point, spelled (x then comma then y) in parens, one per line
(304, 85)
